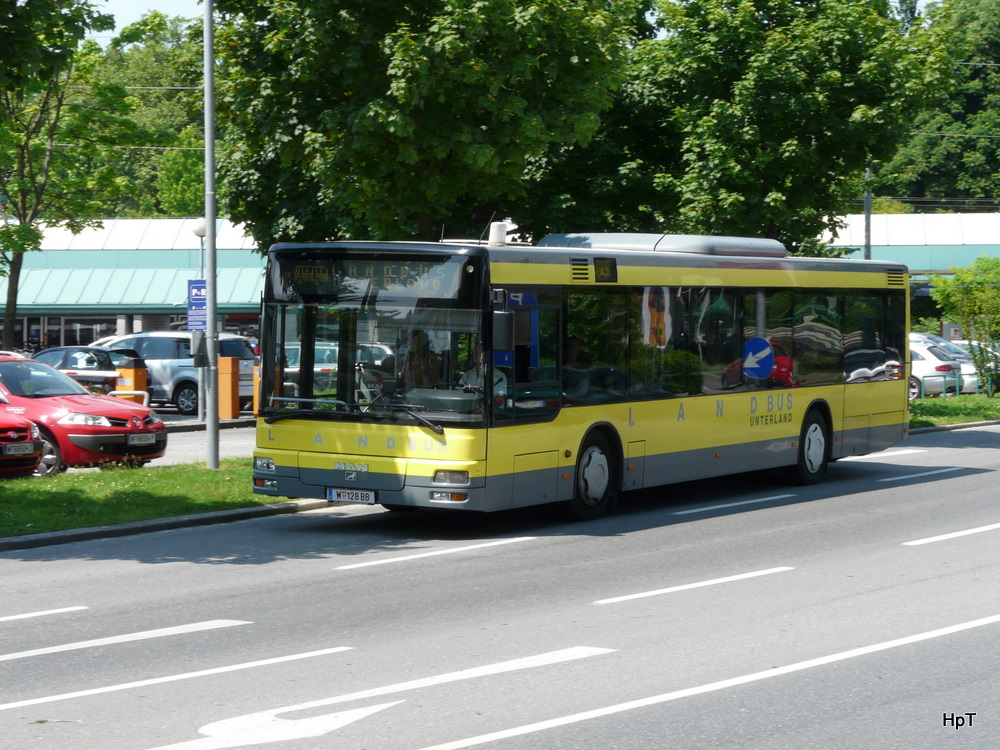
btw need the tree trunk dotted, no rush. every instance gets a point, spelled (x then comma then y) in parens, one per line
(10, 307)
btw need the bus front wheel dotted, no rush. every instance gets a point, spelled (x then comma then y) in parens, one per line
(813, 450)
(595, 489)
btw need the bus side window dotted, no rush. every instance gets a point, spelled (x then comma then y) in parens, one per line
(595, 350)
(531, 370)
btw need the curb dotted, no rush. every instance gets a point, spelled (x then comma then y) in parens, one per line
(31, 541)
(196, 426)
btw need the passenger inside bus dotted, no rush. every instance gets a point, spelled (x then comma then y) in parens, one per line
(421, 367)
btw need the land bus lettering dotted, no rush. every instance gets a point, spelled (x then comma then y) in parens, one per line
(629, 361)
(779, 402)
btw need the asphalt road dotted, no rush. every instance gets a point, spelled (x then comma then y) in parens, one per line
(860, 613)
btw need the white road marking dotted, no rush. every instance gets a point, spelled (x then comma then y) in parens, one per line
(707, 508)
(144, 635)
(405, 558)
(258, 729)
(41, 614)
(686, 586)
(265, 726)
(952, 535)
(711, 687)
(877, 456)
(905, 477)
(171, 678)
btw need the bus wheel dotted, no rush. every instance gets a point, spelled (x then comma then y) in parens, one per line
(596, 488)
(814, 450)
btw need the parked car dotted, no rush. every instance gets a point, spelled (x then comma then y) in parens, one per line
(173, 377)
(933, 371)
(77, 427)
(956, 350)
(20, 445)
(95, 367)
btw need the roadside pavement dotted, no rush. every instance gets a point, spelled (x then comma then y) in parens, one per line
(175, 423)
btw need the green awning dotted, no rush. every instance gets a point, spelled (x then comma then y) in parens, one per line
(116, 291)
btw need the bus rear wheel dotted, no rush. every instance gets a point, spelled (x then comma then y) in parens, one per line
(595, 489)
(813, 450)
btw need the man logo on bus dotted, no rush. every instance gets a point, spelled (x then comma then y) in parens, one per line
(339, 466)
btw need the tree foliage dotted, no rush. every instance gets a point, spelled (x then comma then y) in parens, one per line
(152, 61)
(404, 119)
(952, 156)
(38, 39)
(749, 117)
(971, 298)
(54, 135)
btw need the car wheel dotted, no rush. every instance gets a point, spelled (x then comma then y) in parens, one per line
(51, 462)
(914, 388)
(186, 398)
(595, 489)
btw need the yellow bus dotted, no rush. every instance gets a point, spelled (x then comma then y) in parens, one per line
(491, 376)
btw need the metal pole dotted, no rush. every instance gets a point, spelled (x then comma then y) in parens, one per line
(868, 215)
(211, 301)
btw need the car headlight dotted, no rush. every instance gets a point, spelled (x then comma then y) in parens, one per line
(36, 434)
(90, 420)
(154, 418)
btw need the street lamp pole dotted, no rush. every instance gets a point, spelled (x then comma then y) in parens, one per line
(211, 290)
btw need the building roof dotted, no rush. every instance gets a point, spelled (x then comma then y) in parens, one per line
(927, 243)
(136, 266)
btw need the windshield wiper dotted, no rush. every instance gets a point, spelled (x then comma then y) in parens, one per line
(434, 427)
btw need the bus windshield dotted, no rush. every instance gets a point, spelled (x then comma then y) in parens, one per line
(389, 338)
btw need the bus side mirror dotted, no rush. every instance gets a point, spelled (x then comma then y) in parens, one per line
(503, 331)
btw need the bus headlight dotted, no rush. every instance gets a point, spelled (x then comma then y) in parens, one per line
(263, 464)
(449, 497)
(451, 477)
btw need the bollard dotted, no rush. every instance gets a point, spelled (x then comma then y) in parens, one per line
(256, 390)
(132, 383)
(229, 387)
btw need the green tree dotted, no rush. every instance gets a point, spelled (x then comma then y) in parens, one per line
(402, 119)
(38, 39)
(951, 159)
(971, 298)
(746, 117)
(150, 60)
(52, 132)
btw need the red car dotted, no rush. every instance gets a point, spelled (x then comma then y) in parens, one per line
(20, 445)
(78, 428)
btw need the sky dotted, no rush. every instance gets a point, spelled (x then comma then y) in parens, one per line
(130, 11)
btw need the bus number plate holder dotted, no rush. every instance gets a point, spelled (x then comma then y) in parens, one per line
(357, 497)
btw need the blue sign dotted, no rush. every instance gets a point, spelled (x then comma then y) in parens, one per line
(758, 358)
(197, 305)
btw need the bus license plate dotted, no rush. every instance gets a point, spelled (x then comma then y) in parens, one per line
(148, 439)
(364, 497)
(19, 449)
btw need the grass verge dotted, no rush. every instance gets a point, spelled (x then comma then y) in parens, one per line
(79, 500)
(931, 412)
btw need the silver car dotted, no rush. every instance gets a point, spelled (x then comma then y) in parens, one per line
(173, 377)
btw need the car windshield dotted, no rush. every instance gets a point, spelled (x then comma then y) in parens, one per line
(31, 379)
